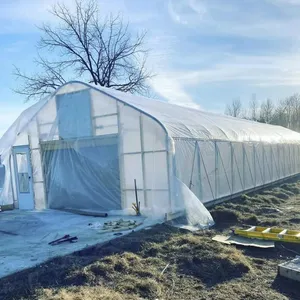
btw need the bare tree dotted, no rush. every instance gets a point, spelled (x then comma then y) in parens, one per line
(253, 105)
(100, 52)
(296, 112)
(287, 113)
(279, 116)
(234, 109)
(266, 111)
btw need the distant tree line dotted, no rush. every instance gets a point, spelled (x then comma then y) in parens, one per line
(285, 112)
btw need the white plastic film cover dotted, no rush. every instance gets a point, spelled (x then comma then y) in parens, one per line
(83, 174)
(224, 174)
(17, 134)
(296, 158)
(248, 153)
(207, 153)
(2, 175)
(88, 144)
(192, 123)
(186, 162)
(259, 172)
(268, 163)
(238, 173)
(195, 213)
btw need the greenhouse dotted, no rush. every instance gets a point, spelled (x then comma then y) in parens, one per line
(89, 147)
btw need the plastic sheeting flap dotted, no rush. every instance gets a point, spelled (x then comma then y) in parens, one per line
(196, 216)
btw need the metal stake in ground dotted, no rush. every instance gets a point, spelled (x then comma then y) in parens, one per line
(137, 205)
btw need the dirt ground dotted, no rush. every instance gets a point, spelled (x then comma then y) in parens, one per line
(169, 263)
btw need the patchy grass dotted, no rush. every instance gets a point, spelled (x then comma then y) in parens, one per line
(169, 263)
(85, 292)
(223, 215)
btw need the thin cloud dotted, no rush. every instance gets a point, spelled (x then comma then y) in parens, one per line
(170, 87)
(167, 83)
(256, 21)
(236, 18)
(285, 2)
(254, 70)
(253, 42)
(30, 11)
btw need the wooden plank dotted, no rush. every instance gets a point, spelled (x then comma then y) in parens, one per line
(85, 213)
(6, 207)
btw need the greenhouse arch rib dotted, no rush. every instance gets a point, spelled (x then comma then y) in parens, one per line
(209, 126)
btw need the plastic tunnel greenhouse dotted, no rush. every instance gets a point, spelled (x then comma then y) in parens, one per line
(84, 146)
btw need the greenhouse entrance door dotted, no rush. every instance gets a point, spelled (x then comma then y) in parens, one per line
(23, 175)
(83, 174)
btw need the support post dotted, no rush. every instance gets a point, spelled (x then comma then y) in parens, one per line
(263, 164)
(272, 163)
(298, 158)
(216, 170)
(143, 161)
(206, 174)
(193, 164)
(239, 173)
(32, 172)
(121, 157)
(11, 180)
(170, 159)
(226, 176)
(254, 164)
(279, 162)
(137, 202)
(199, 173)
(244, 166)
(232, 167)
(247, 159)
(285, 161)
(292, 162)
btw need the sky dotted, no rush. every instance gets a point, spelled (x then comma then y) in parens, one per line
(205, 53)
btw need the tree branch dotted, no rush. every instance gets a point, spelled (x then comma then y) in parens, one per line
(103, 52)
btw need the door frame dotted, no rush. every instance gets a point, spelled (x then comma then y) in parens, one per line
(27, 197)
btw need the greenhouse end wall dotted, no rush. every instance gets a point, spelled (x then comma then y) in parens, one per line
(216, 169)
(142, 145)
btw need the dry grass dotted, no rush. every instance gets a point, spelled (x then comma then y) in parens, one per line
(168, 263)
(86, 293)
(267, 208)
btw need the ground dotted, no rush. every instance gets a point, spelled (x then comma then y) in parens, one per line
(25, 235)
(169, 263)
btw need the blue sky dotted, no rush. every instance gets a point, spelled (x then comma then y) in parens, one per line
(204, 52)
